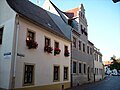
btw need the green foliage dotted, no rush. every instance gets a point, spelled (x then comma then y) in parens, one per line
(116, 64)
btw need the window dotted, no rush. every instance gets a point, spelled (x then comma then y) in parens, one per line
(1, 35)
(56, 45)
(66, 47)
(97, 57)
(66, 51)
(74, 67)
(29, 74)
(79, 67)
(65, 73)
(95, 71)
(100, 58)
(56, 73)
(82, 29)
(85, 68)
(47, 41)
(30, 35)
(88, 49)
(79, 45)
(83, 47)
(74, 42)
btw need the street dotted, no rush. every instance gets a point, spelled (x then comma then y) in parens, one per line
(110, 83)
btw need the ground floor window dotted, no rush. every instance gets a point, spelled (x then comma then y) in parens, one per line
(56, 73)
(65, 73)
(80, 67)
(28, 74)
(84, 68)
(74, 67)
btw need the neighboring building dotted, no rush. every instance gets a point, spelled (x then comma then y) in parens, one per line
(98, 65)
(82, 49)
(107, 63)
(106, 67)
(27, 37)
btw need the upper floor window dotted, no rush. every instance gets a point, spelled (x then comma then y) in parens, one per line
(56, 44)
(83, 47)
(66, 51)
(95, 56)
(85, 68)
(74, 42)
(47, 41)
(1, 35)
(30, 40)
(30, 35)
(82, 29)
(88, 49)
(79, 45)
(56, 49)
(100, 58)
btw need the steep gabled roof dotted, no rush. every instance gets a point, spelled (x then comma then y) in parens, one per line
(35, 14)
(61, 13)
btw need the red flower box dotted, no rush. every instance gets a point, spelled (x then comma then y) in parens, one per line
(57, 51)
(48, 49)
(31, 44)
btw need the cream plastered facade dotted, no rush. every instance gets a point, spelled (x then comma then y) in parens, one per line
(14, 42)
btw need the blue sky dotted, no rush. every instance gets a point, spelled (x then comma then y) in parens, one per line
(103, 17)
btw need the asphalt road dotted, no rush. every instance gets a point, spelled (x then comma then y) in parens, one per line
(110, 83)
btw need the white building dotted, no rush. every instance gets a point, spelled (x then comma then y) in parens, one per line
(27, 36)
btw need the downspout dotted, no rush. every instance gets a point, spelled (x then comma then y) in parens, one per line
(71, 60)
(93, 65)
(15, 48)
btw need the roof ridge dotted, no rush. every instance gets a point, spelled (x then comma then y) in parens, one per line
(35, 14)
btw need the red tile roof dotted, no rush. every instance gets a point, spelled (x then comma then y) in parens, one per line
(74, 11)
(107, 63)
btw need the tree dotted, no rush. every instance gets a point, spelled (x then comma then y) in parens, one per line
(116, 63)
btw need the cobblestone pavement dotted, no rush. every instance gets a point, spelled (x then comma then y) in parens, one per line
(110, 83)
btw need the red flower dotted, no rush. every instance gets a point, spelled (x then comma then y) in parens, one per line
(48, 49)
(31, 44)
(57, 51)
